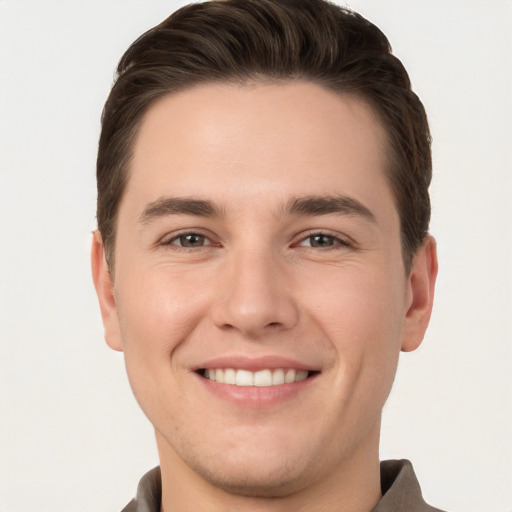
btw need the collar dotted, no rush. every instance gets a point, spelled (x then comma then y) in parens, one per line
(401, 491)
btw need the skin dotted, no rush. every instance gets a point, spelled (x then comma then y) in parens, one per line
(257, 283)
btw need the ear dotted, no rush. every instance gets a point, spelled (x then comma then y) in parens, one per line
(105, 290)
(420, 294)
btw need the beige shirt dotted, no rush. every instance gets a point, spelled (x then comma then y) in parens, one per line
(400, 490)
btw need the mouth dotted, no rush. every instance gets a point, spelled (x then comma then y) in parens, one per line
(261, 378)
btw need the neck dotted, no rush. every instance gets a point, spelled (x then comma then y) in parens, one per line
(354, 486)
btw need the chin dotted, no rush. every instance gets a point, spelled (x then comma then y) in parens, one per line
(254, 479)
(257, 466)
(248, 460)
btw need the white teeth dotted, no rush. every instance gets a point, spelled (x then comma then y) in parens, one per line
(260, 378)
(244, 378)
(278, 377)
(229, 376)
(289, 376)
(263, 378)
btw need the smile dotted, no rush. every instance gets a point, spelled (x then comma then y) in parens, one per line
(261, 378)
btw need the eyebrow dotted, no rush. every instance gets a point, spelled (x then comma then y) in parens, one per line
(308, 205)
(178, 206)
(324, 205)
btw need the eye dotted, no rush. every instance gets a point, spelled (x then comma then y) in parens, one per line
(189, 241)
(322, 241)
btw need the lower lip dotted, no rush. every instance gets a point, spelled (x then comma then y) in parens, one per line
(256, 396)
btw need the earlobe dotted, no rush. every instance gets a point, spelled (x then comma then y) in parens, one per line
(421, 284)
(105, 292)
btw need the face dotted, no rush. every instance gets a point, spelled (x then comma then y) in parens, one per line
(259, 294)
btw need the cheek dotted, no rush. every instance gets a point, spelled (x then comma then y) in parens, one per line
(157, 311)
(361, 314)
(359, 300)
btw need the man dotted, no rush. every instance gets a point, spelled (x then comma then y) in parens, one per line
(262, 253)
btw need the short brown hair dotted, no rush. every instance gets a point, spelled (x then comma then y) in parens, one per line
(246, 40)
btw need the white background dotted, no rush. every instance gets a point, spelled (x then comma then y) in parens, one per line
(71, 435)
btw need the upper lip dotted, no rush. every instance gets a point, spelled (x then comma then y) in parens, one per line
(254, 364)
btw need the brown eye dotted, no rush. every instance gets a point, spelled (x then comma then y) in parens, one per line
(321, 241)
(190, 240)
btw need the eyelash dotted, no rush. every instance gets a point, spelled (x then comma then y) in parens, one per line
(170, 243)
(336, 241)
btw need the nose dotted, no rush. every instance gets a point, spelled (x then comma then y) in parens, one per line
(255, 297)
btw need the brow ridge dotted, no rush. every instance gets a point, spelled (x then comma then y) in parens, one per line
(179, 206)
(324, 205)
(307, 205)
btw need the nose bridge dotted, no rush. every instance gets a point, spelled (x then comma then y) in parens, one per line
(254, 295)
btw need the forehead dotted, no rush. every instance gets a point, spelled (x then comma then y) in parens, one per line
(235, 140)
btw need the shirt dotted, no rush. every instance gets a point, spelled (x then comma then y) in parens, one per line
(400, 490)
